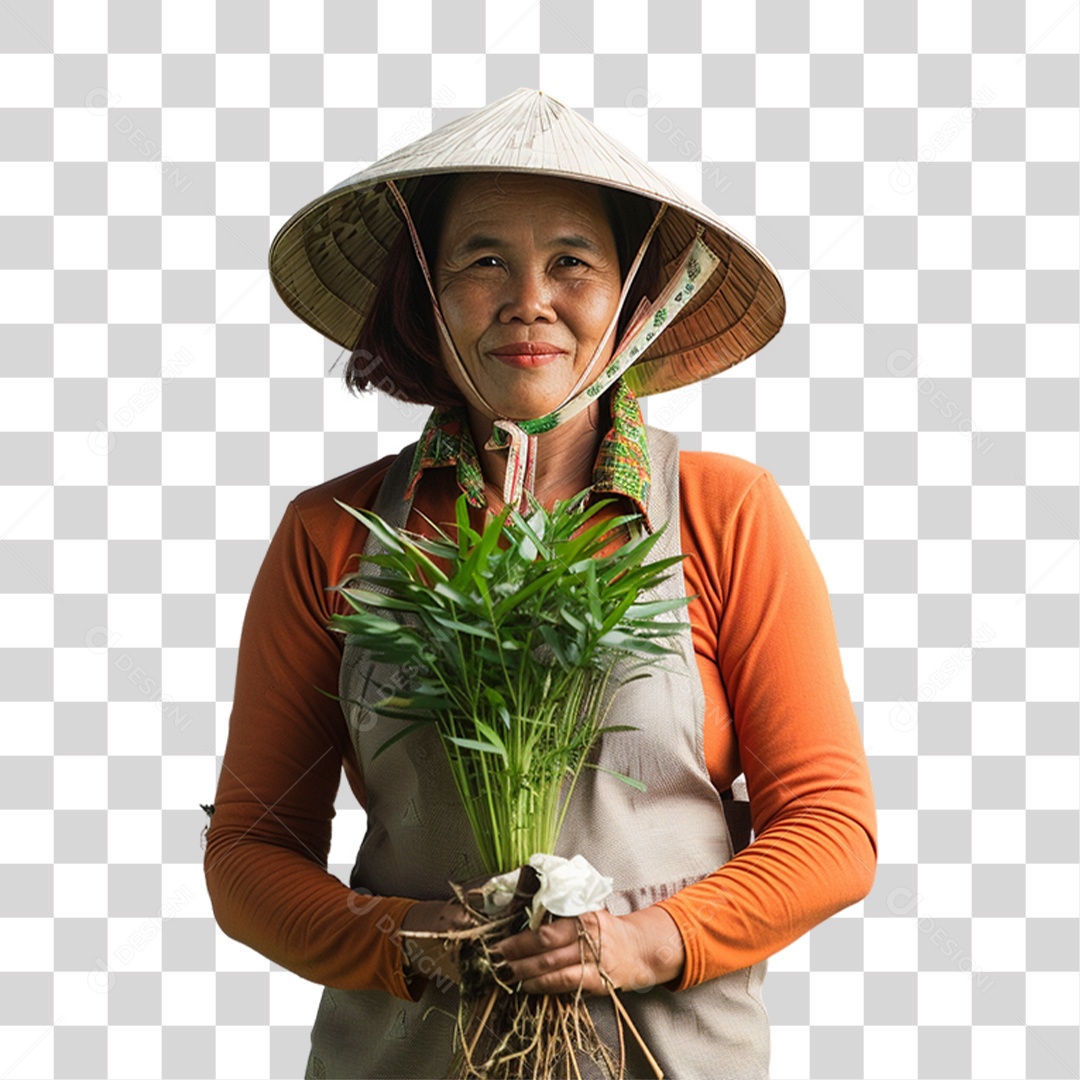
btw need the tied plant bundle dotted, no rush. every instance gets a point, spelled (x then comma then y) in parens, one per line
(513, 647)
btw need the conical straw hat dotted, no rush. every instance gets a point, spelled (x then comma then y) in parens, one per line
(327, 260)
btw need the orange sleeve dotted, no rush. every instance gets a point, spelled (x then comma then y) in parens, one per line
(269, 838)
(815, 847)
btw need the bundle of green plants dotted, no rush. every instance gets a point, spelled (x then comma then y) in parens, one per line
(517, 637)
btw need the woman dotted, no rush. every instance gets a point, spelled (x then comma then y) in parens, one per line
(504, 270)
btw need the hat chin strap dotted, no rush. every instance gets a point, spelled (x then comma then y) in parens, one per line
(522, 437)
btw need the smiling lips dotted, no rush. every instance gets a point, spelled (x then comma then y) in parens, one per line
(527, 354)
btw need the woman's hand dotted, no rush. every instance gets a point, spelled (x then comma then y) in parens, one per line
(432, 957)
(637, 951)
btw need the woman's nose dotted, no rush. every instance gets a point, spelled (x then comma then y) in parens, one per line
(529, 296)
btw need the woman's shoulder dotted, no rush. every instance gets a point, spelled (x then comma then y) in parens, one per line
(716, 480)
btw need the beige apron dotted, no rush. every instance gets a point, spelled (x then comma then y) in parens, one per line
(652, 844)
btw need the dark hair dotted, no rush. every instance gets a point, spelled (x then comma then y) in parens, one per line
(397, 349)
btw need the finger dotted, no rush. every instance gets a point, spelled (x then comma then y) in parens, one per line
(566, 979)
(551, 935)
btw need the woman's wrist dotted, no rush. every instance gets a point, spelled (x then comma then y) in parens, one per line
(663, 950)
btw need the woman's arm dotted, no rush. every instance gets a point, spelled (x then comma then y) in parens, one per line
(269, 839)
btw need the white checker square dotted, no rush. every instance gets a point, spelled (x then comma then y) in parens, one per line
(80, 26)
(1052, 134)
(944, 674)
(188, 458)
(130, 1048)
(241, 1052)
(891, 728)
(133, 621)
(241, 188)
(944, 26)
(1052, 242)
(836, 457)
(188, 26)
(1052, 566)
(241, 511)
(134, 188)
(569, 77)
(1054, 675)
(944, 242)
(890, 404)
(134, 296)
(296, 134)
(27, 187)
(728, 134)
(243, 404)
(890, 944)
(998, 944)
(134, 727)
(836, 26)
(181, 775)
(81, 351)
(997, 512)
(80, 566)
(889, 188)
(836, 997)
(136, 80)
(676, 410)
(81, 891)
(840, 562)
(997, 296)
(343, 411)
(1001, 618)
(891, 296)
(229, 620)
(242, 80)
(793, 957)
(997, 727)
(80, 782)
(30, 732)
(134, 512)
(189, 674)
(1051, 350)
(405, 26)
(725, 28)
(233, 955)
(79, 675)
(351, 80)
(183, 891)
(998, 404)
(944, 566)
(134, 943)
(836, 350)
(943, 134)
(296, 457)
(28, 79)
(1054, 997)
(188, 242)
(26, 296)
(81, 998)
(188, 566)
(783, 187)
(944, 783)
(740, 443)
(27, 405)
(836, 242)
(80, 134)
(947, 886)
(998, 81)
(1052, 26)
(242, 296)
(188, 134)
(135, 836)
(291, 997)
(1052, 891)
(944, 996)
(945, 350)
(459, 81)
(890, 620)
(28, 512)
(27, 944)
(890, 81)
(134, 403)
(674, 80)
(890, 1051)
(296, 29)
(998, 836)
(890, 512)
(836, 134)
(783, 404)
(295, 351)
(1053, 458)
(189, 998)
(782, 80)
(944, 458)
(998, 187)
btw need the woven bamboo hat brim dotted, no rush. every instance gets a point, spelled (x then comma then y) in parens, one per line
(327, 260)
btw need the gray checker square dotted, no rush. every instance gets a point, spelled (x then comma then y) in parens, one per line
(189, 188)
(80, 620)
(80, 1052)
(1052, 513)
(504, 74)
(26, 783)
(836, 513)
(785, 240)
(1052, 944)
(890, 457)
(187, 620)
(28, 892)
(80, 836)
(836, 187)
(188, 729)
(620, 80)
(188, 513)
(243, 26)
(890, 242)
(895, 782)
(79, 79)
(945, 836)
(998, 350)
(783, 26)
(945, 296)
(26, 566)
(889, 134)
(945, 727)
(296, 80)
(836, 404)
(243, 457)
(999, 458)
(80, 187)
(786, 454)
(79, 404)
(404, 80)
(998, 783)
(296, 183)
(181, 840)
(728, 405)
(890, 350)
(80, 296)
(188, 1052)
(837, 945)
(134, 242)
(79, 943)
(890, 566)
(783, 134)
(455, 28)
(243, 997)
(787, 356)
(934, 948)
(1052, 1051)
(945, 513)
(348, 135)
(836, 80)
(1053, 80)
(1052, 728)
(681, 35)
(187, 296)
(727, 79)
(296, 404)
(997, 674)
(79, 727)
(847, 609)
(135, 458)
(997, 889)
(675, 135)
(944, 79)
(1052, 404)
(890, 28)
(735, 190)
(836, 296)
(1052, 835)
(344, 451)
(243, 351)
(1053, 621)
(891, 997)
(997, 26)
(135, 998)
(241, 242)
(890, 674)
(1053, 296)
(188, 405)
(134, 27)
(1000, 1000)
(944, 1051)
(26, 26)
(566, 26)
(26, 242)
(787, 997)
(944, 187)
(997, 566)
(134, 888)
(26, 134)
(1053, 187)
(998, 135)
(135, 781)
(238, 562)
(188, 81)
(944, 619)
(27, 675)
(998, 243)
(243, 134)
(836, 1052)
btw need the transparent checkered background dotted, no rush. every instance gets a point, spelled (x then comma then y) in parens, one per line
(910, 168)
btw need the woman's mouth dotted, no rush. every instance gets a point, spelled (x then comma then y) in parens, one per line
(527, 354)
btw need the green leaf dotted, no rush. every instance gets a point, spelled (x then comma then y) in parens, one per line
(637, 785)
(399, 735)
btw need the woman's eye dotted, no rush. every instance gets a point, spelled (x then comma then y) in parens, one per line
(573, 258)
(489, 259)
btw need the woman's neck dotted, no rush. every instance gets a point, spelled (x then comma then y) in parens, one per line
(565, 455)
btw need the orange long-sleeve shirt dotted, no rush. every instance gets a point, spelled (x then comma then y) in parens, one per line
(777, 709)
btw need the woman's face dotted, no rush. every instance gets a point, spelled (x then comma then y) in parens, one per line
(526, 262)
